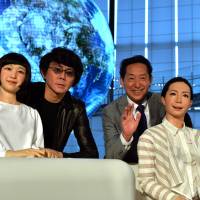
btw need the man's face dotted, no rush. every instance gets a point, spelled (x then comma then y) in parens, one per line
(59, 79)
(136, 82)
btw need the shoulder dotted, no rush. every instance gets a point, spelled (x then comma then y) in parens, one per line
(31, 93)
(36, 86)
(72, 102)
(156, 107)
(154, 133)
(29, 110)
(77, 102)
(193, 130)
(154, 97)
(121, 102)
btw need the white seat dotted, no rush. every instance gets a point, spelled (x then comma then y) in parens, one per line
(70, 179)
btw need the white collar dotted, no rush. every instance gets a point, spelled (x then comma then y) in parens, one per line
(144, 103)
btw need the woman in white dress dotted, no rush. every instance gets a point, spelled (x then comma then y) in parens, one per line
(21, 132)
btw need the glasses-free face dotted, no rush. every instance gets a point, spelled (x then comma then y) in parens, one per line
(12, 77)
(177, 101)
(59, 79)
(136, 82)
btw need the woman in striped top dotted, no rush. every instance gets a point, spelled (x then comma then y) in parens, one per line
(169, 153)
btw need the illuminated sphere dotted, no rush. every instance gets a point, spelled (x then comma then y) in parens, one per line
(34, 27)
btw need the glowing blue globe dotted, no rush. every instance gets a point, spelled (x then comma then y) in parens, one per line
(34, 27)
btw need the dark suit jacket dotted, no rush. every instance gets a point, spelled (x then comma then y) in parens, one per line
(112, 124)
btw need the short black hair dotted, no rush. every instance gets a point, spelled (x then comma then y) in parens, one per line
(63, 56)
(133, 60)
(19, 59)
(174, 80)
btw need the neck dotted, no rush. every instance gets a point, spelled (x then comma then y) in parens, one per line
(177, 122)
(8, 97)
(51, 96)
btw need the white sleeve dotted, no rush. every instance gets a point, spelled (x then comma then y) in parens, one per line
(39, 138)
(126, 144)
(2, 150)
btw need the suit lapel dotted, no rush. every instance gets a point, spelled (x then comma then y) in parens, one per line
(123, 102)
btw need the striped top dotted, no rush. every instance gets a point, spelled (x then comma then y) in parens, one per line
(159, 176)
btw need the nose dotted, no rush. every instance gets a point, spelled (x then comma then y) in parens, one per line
(178, 98)
(13, 73)
(62, 75)
(137, 83)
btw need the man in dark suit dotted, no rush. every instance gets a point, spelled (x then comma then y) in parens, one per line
(121, 119)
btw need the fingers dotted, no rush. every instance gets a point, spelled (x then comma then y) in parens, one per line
(39, 153)
(128, 111)
(50, 153)
(138, 116)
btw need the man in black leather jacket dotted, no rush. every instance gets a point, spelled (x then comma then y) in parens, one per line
(60, 112)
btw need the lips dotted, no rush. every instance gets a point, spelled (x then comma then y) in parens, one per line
(137, 92)
(12, 82)
(177, 107)
(60, 85)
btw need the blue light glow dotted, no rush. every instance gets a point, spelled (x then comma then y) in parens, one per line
(34, 27)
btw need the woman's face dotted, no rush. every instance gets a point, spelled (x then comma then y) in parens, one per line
(177, 100)
(12, 77)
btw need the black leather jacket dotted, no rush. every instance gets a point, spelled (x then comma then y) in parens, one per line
(71, 117)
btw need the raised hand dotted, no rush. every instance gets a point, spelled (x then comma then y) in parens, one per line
(129, 123)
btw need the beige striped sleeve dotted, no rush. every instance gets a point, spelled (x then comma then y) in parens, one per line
(147, 170)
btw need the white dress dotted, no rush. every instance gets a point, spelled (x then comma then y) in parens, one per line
(20, 128)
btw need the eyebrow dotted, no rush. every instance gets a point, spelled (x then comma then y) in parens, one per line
(19, 66)
(188, 92)
(64, 67)
(22, 67)
(130, 74)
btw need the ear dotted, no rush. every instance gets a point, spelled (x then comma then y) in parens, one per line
(163, 100)
(121, 82)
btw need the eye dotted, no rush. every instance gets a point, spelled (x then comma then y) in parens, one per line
(7, 68)
(143, 78)
(131, 79)
(172, 93)
(69, 73)
(186, 95)
(21, 71)
(57, 70)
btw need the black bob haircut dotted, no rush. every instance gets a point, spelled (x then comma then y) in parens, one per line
(63, 56)
(19, 59)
